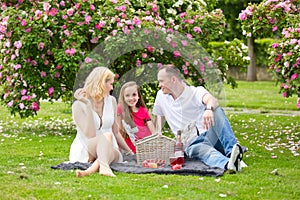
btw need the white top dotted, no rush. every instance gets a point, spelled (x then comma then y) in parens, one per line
(79, 148)
(187, 108)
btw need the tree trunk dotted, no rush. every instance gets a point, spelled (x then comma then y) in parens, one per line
(251, 70)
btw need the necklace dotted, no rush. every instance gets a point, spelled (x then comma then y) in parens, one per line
(100, 126)
(98, 107)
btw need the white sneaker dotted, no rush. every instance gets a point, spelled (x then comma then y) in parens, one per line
(234, 163)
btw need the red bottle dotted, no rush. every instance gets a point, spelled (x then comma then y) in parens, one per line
(179, 150)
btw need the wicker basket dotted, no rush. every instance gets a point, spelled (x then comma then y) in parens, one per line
(156, 146)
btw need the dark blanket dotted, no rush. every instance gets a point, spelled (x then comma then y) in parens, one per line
(190, 167)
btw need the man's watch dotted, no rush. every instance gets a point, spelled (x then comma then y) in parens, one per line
(208, 107)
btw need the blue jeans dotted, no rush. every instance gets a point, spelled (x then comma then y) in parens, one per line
(214, 146)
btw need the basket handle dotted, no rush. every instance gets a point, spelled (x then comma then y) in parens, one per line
(158, 125)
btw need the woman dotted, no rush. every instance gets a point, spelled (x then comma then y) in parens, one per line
(94, 113)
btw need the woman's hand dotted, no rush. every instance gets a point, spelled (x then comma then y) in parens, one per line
(80, 95)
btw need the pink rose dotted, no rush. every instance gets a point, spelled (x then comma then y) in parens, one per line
(23, 23)
(294, 76)
(70, 11)
(35, 106)
(18, 44)
(284, 94)
(243, 16)
(22, 106)
(176, 54)
(77, 6)
(53, 12)
(137, 20)
(87, 19)
(182, 15)
(150, 49)
(88, 60)
(33, 62)
(275, 45)
(70, 52)
(138, 63)
(43, 74)
(50, 91)
(189, 36)
(10, 104)
(17, 66)
(144, 55)
(173, 44)
(23, 92)
(274, 28)
(197, 29)
(28, 30)
(201, 67)
(46, 6)
(41, 46)
(154, 8)
(97, 26)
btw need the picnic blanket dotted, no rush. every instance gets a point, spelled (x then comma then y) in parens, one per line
(190, 167)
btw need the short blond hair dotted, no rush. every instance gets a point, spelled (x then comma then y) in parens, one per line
(94, 85)
(171, 70)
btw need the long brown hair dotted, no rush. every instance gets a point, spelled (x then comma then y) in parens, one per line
(126, 111)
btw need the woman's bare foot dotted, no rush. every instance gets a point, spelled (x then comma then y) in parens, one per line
(80, 173)
(106, 171)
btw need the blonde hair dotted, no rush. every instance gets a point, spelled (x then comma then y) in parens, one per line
(94, 85)
(126, 111)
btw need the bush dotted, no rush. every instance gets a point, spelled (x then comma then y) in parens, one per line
(262, 51)
(45, 45)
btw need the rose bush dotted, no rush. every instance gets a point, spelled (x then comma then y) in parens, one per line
(280, 19)
(44, 43)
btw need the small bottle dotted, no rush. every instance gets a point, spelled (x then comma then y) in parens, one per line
(179, 150)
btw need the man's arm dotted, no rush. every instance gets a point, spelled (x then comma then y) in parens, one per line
(156, 123)
(211, 103)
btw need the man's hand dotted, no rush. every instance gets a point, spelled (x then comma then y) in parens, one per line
(208, 119)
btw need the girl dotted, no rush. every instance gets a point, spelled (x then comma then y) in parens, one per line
(132, 112)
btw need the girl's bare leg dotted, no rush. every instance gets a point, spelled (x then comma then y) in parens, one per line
(92, 169)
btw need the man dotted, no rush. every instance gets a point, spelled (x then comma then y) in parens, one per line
(212, 141)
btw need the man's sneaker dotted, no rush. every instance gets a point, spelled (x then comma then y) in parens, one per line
(234, 163)
(245, 149)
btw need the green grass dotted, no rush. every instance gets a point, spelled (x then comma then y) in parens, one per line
(30, 146)
(258, 95)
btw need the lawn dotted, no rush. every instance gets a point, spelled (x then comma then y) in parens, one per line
(261, 119)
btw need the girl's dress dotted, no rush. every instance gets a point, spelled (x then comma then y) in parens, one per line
(140, 119)
(79, 147)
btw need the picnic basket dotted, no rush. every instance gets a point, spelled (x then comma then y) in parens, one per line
(156, 146)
